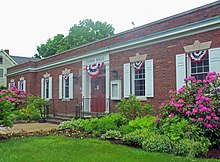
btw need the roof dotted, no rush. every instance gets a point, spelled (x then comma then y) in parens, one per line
(21, 60)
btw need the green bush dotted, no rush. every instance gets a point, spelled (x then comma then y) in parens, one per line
(33, 110)
(99, 126)
(146, 122)
(125, 129)
(191, 148)
(132, 108)
(157, 143)
(6, 114)
(72, 124)
(112, 134)
(136, 138)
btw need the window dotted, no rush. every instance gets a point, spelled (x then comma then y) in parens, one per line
(46, 88)
(1, 73)
(22, 85)
(185, 67)
(1, 60)
(139, 82)
(200, 69)
(115, 89)
(66, 86)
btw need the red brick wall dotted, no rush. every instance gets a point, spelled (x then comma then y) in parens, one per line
(163, 55)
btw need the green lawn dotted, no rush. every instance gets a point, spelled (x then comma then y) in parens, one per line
(59, 148)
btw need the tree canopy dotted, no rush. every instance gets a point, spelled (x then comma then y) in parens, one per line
(85, 32)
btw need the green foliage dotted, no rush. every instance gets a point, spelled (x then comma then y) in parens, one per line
(112, 134)
(85, 32)
(73, 124)
(191, 148)
(136, 137)
(157, 143)
(132, 108)
(6, 114)
(146, 122)
(125, 129)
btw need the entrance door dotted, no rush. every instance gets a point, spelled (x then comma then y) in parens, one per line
(98, 91)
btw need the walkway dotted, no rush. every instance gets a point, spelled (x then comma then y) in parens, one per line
(29, 127)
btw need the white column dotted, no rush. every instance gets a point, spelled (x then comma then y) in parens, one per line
(107, 79)
(85, 90)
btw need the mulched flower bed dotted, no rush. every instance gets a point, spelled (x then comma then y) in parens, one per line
(214, 153)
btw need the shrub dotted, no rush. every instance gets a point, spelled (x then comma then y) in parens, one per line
(125, 129)
(6, 114)
(132, 108)
(136, 138)
(112, 134)
(72, 124)
(157, 143)
(191, 148)
(145, 122)
(198, 103)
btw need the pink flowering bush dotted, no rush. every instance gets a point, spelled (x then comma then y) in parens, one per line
(13, 95)
(199, 103)
(9, 101)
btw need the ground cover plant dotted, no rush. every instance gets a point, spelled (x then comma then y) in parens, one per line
(60, 148)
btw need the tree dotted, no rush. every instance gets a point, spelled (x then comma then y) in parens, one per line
(85, 32)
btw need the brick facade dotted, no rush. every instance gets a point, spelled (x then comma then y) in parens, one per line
(162, 52)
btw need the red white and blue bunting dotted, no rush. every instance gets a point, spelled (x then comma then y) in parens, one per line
(198, 56)
(95, 69)
(137, 65)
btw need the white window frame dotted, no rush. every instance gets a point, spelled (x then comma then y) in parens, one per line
(62, 88)
(20, 87)
(44, 88)
(118, 89)
(129, 74)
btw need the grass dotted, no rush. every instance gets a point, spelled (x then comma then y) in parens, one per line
(59, 149)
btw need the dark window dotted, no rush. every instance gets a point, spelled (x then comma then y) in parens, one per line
(47, 88)
(66, 87)
(1, 73)
(1, 60)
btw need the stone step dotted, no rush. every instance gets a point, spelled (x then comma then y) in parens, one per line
(54, 121)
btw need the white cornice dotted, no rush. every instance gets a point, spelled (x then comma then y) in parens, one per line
(178, 32)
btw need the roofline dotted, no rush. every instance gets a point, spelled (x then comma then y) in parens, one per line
(139, 27)
(9, 57)
(170, 34)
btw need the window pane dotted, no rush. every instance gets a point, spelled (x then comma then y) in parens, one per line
(66, 82)
(200, 69)
(1, 73)
(114, 90)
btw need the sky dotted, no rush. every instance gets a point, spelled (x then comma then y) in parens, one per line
(25, 24)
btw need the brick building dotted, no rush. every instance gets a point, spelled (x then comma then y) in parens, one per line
(146, 61)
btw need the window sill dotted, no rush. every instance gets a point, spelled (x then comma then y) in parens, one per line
(66, 99)
(142, 98)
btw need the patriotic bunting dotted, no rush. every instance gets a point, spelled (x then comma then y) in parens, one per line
(198, 56)
(95, 69)
(137, 65)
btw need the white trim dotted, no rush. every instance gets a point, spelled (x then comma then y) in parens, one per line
(118, 89)
(60, 86)
(127, 79)
(180, 70)
(149, 78)
(214, 60)
(71, 85)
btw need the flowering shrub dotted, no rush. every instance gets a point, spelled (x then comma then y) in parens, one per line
(199, 103)
(10, 100)
(13, 95)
